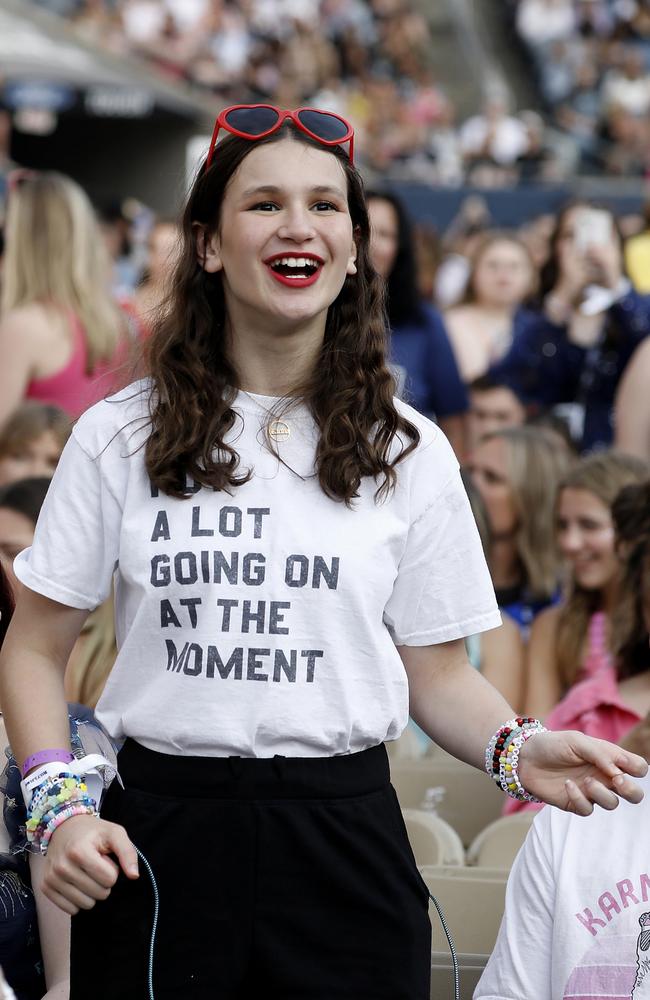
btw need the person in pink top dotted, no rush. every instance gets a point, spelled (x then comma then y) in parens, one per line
(611, 700)
(571, 642)
(62, 337)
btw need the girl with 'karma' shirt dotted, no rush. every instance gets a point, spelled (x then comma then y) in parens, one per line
(295, 565)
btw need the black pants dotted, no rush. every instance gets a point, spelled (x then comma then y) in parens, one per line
(287, 878)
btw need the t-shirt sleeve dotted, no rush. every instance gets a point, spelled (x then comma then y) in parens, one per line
(76, 543)
(521, 963)
(443, 589)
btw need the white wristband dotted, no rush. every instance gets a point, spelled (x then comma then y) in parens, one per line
(95, 769)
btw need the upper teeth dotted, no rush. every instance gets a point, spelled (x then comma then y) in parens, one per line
(295, 262)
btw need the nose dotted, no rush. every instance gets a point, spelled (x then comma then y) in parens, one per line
(570, 540)
(297, 225)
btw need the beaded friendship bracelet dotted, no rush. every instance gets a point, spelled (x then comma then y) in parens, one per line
(58, 798)
(502, 755)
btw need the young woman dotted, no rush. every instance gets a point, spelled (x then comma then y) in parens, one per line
(588, 324)
(419, 345)
(481, 327)
(295, 560)
(61, 334)
(516, 471)
(573, 641)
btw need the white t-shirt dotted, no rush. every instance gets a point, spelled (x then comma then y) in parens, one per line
(262, 621)
(577, 917)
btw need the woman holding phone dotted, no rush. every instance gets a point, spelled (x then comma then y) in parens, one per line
(589, 322)
(296, 564)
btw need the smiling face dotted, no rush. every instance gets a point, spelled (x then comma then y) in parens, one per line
(585, 535)
(284, 244)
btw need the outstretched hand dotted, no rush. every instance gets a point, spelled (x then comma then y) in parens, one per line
(576, 772)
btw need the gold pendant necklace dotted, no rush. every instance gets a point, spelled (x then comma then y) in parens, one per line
(277, 429)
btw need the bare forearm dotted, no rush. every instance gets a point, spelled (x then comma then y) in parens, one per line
(453, 703)
(33, 703)
(32, 665)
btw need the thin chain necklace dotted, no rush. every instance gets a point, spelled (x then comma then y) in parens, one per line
(277, 429)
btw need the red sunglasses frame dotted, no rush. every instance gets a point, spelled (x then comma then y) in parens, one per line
(282, 114)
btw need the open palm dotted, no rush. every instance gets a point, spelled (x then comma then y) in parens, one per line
(576, 772)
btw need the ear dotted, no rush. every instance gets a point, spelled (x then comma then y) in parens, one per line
(352, 259)
(207, 249)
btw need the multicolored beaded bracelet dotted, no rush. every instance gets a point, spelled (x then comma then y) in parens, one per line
(499, 742)
(508, 770)
(502, 755)
(59, 797)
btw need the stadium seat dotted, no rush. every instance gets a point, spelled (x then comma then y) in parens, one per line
(433, 841)
(466, 799)
(498, 844)
(472, 908)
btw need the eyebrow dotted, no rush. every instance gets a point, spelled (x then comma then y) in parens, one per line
(273, 189)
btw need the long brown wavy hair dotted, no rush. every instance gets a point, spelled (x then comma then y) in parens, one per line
(631, 619)
(604, 475)
(350, 392)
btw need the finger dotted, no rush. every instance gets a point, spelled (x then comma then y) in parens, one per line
(60, 901)
(67, 896)
(631, 763)
(597, 793)
(78, 879)
(100, 868)
(116, 841)
(577, 802)
(605, 756)
(76, 897)
(626, 788)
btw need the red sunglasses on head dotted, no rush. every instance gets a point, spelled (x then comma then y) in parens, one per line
(256, 121)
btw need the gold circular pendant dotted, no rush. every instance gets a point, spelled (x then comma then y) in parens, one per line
(279, 430)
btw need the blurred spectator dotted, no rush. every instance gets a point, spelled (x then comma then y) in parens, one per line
(628, 86)
(31, 441)
(481, 327)
(573, 641)
(499, 653)
(419, 343)
(540, 22)
(611, 698)
(494, 136)
(588, 324)
(493, 406)
(116, 228)
(62, 336)
(20, 504)
(150, 294)
(460, 240)
(516, 471)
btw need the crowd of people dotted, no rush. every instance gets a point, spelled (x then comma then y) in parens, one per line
(369, 60)
(528, 348)
(592, 60)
